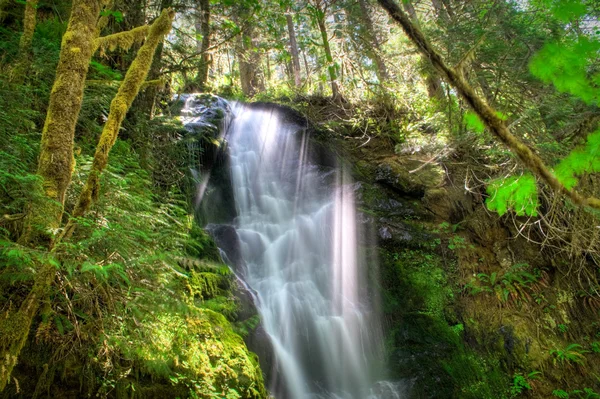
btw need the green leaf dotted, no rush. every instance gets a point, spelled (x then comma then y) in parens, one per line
(473, 122)
(513, 193)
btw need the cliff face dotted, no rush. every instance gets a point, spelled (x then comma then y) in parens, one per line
(473, 307)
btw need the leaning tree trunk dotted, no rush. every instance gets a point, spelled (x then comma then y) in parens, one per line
(55, 168)
(293, 49)
(488, 115)
(79, 39)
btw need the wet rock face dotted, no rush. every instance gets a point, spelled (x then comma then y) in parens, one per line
(227, 240)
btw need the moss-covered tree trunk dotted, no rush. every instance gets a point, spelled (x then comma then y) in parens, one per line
(55, 168)
(56, 157)
(56, 153)
(29, 20)
(331, 67)
(24, 58)
(132, 83)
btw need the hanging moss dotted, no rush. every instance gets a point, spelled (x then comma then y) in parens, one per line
(122, 40)
(204, 285)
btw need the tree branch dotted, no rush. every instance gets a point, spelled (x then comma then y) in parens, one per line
(487, 114)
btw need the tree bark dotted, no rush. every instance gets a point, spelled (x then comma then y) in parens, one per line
(293, 49)
(56, 153)
(320, 17)
(56, 158)
(29, 21)
(487, 114)
(251, 77)
(55, 168)
(203, 28)
(373, 42)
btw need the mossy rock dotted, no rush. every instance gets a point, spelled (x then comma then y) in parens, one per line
(199, 352)
(409, 177)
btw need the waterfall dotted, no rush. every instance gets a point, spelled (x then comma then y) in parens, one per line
(299, 240)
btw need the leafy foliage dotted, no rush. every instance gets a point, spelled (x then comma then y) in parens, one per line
(513, 193)
(580, 161)
(567, 65)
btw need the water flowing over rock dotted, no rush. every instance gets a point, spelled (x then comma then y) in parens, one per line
(295, 241)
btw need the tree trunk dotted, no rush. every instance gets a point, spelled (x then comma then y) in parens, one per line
(320, 17)
(29, 20)
(293, 49)
(251, 77)
(56, 153)
(55, 169)
(56, 158)
(203, 28)
(19, 72)
(488, 115)
(432, 81)
(373, 42)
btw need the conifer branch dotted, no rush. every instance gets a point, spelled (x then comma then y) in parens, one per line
(487, 114)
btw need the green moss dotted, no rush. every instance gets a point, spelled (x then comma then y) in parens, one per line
(200, 352)
(204, 285)
(427, 341)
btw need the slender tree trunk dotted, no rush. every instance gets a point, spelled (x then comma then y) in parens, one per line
(434, 85)
(293, 49)
(373, 42)
(19, 71)
(29, 20)
(488, 115)
(203, 28)
(320, 17)
(307, 69)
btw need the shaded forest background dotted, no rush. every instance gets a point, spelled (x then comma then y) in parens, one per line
(106, 279)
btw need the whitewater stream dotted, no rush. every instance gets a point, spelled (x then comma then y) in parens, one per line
(298, 238)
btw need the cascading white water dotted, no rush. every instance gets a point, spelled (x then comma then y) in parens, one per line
(297, 228)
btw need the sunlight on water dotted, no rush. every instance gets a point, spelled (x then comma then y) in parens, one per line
(298, 233)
